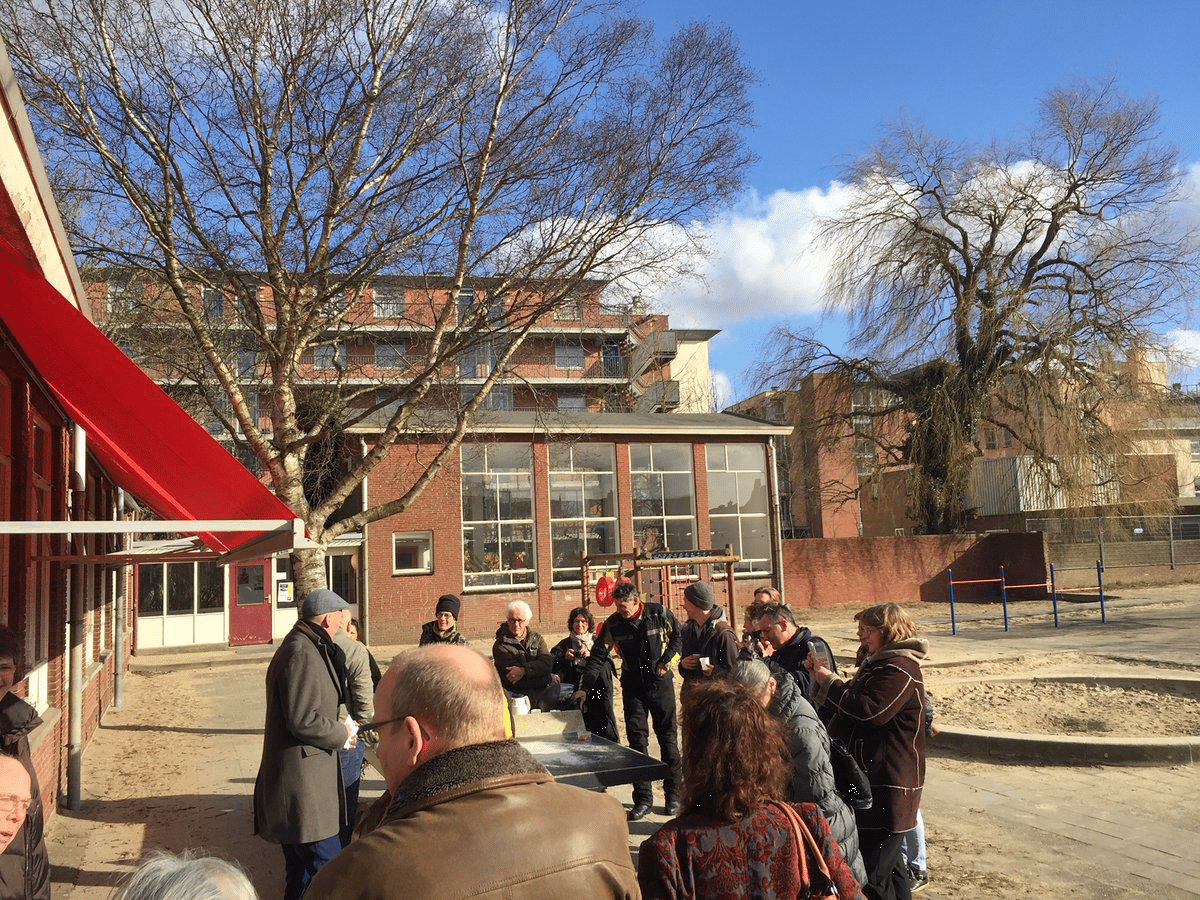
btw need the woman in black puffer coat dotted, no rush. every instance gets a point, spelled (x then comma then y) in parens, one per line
(808, 742)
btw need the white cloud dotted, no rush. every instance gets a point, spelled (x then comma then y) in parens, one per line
(722, 388)
(762, 262)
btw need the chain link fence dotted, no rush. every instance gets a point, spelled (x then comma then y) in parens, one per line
(1121, 541)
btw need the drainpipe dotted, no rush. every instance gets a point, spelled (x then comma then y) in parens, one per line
(364, 573)
(776, 522)
(75, 628)
(119, 617)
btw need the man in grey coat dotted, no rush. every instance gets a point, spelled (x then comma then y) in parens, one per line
(298, 796)
(360, 704)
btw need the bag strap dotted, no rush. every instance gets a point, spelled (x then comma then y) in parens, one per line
(808, 848)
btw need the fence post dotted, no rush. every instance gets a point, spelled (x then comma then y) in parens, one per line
(1100, 537)
(1171, 538)
(1100, 584)
(1053, 595)
(953, 620)
(1004, 597)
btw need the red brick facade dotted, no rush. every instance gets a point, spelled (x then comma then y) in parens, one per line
(398, 605)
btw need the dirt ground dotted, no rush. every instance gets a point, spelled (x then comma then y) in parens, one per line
(967, 697)
(163, 775)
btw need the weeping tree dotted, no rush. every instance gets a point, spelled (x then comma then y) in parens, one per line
(250, 168)
(1014, 289)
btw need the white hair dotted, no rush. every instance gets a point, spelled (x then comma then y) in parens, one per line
(165, 876)
(520, 606)
(753, 673)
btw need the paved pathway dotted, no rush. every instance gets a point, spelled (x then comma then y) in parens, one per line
(175, 769)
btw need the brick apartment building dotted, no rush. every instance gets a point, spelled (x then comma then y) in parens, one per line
(844, 487)
(607, 385)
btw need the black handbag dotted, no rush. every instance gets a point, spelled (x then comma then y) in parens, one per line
(848, 776)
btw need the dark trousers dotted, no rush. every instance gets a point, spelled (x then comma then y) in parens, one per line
(657, 700)
(598, 715)
(351, 762)
(301, 862)
(887, 877)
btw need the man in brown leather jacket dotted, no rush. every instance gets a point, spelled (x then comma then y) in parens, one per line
(472, 814)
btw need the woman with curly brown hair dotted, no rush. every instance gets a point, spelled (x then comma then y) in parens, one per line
(735, 837)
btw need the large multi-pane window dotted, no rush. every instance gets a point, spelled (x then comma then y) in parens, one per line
(583, 505)
(388, 302)
(497, 515)
(737, 503)
(180, 588)
(664, 496)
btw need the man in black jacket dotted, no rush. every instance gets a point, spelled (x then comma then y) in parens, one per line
(792, 642)
(709, 643)
(648, 637)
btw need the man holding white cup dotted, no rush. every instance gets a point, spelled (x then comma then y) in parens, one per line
(709, 643)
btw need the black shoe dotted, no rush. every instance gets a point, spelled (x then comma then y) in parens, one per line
(672, 806)
(640, 810)
(918, 880)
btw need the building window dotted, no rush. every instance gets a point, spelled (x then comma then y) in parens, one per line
(583, 505)
(468, 307)
(497, 515)
(329, 356)
(738, 507)
(1195, 442)
(389, 355)
(187, 588)
(412, 553)
(213, 302)
(568, 355)
(990, 439)
(570, 310)
(119, 297)
(389, 302)
(247, 364)
(664, 496)
(477, 362)
(571, 401)
(613, 361)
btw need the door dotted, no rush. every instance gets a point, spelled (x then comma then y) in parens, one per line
(250, 604)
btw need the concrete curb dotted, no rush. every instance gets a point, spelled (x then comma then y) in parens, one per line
(1074, 750)
(1053, 750)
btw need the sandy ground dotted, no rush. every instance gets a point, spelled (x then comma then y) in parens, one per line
(162, 775)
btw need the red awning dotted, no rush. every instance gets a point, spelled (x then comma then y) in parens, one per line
(146, 442)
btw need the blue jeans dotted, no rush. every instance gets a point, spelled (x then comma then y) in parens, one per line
(351, 761)
(912, 851)
(302, 861)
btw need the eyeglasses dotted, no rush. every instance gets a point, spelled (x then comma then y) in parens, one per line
(375, 726)
(11, 803)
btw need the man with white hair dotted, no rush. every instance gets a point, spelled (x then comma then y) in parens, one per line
(521, 655)
(471, 812)
(16, 796)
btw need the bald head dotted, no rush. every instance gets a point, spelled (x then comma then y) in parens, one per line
(452, 689)
(15, 794)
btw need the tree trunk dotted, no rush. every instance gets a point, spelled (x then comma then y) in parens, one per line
(308, 568)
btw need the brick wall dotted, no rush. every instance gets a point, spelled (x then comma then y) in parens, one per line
(864, 571)
(399, 604)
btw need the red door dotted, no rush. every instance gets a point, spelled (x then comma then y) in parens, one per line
(250, 604)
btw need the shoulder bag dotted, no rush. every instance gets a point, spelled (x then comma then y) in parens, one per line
(809, 859)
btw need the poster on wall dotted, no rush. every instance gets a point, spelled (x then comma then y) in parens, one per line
(283, 594)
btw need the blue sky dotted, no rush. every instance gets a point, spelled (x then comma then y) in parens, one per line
(833, 75)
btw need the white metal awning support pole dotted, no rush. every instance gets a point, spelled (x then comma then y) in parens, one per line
(76, 631)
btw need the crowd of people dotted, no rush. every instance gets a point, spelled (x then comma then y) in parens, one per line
(758, 798)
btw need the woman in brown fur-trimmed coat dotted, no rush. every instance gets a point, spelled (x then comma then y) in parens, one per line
(880, 716)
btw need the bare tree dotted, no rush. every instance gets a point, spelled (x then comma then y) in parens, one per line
(999, 287)
(285, 153)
